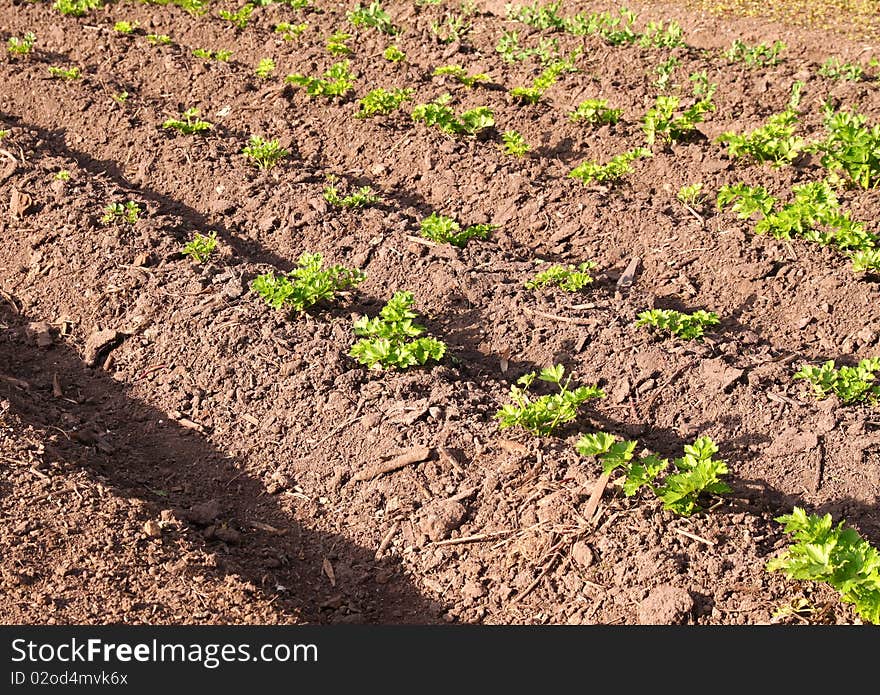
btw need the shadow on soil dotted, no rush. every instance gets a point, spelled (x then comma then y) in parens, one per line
(140, 453)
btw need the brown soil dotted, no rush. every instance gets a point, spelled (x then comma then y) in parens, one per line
(174, 451)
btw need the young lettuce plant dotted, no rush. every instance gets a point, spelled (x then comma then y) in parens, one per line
(459, 73)
(363, 197)
(380, 102)
(306, 285)
(336, 45)
(837, 555)
(373, 16)
(72, 73)
(265, 68)
(543, 414)
(851, 147)
(446, 230)
(761, 55)
(128, 212)
(189, 123)
(664, 122)
(533, 94)
(240, 17)
(452, 28)
(392, 340)
(613, 170)
(595, 112)
(438, 113)
(514, 144)
(289, 31)
(264, 153)
(773, 142)
(697, 474)
(850, 384)
(201, 247)
(336, 82)
(835, 69)
(22, 46)
(571, 278)
(685, 326)
(393, 54)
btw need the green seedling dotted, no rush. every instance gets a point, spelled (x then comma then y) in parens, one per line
(124, 27)
(306, 285)
(549, 77)
(850, 384)
(814, 215)
(509, 48)
(77, 8)
(4, 133)
(595, 112)
(664, 71)
(121, 212)
(543, 414)
(240, 17)
(691, 195)
(65, 73)
(685, 326)
(773, 142)
(835, 69)
(760, 55)
(22, 46)
(265, 67)
(373, 16)
(205, 54)
(537, 15)
(290, 31)
(664, 121)
(837, 555)
(468, 122)
(264, 153)
(661, 35)
(362, 197)
(380, 102)
(336, 82)
(571, 278)
(189, 123)
(120, 97)
(460, 74)
(866, 260)
(336, 45)
(851, 147)
(613, 170)
(201, 247)
(392, 340)
(63, 175)
(393, 54)
(614, 30)
(697, 474)
(445, 230)
(159, 39)
(514, 144)
(453, 28)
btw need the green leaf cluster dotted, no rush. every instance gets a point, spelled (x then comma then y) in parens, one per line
(460, 74)
(336, 81)
(849, 384)
(373, 16)
(543, 414)
(836, 555)
(773, 142)
(200, 247)
(446, 230)
(595, 112)
(125, 212)
(240, 17)
(264, 153)
(760, 55)
(614, 169)
(362, 197)
(21, 46)
(685, 326)
(189, 123)
(77, 8)
(380, 102)
(664, 121)
(696, 475)
(851, 147)
(571, 278)
(306, 285)
(392, 339)
(533, 94)
(290, 31)
(835, 69)
(469, 122)
(514, 143)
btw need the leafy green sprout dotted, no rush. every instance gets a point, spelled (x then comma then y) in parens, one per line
(469, 122)
(514, 144)
(76, 8)
(125, 27)
(543, 414)
(72, 73)
(201, 247)
(851, 147)
(696, 475)
(570, 278)
(120, 97)
(663, 120)
(837, 555)
(774, 142)
(595, 112)
(306, 285)
(452, 29)
(761, 55)
(549, 77)
(125, 212)
(62, 175)
(866, 260)
(443, 229)
(264, 153)
(459, 73)
(159, 39)
(189, 123)
(380, 102)
(665, 70)
(21, 46)
(4, 133)
(613, 170)
(691, 194)
(336, 45)
(240, 17)
(362, 197)
(836, 69)
(850, 384)
(392, 340)
(372, 16)
(265, 68)
(289, 31)
(679, 324)
(393, 54)
(336, 82)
